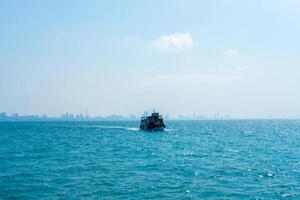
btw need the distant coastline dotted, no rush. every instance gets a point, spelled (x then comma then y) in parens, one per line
(64, 117)
(131, 117)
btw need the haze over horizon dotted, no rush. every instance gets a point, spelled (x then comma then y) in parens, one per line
(179, 57)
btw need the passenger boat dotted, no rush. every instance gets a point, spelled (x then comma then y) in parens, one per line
(154, 122)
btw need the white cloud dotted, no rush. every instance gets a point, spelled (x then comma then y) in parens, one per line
(231, 53)
(175, 41)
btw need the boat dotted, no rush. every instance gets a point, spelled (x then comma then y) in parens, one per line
(154, 122)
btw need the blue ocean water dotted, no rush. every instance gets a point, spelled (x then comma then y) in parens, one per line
(246, 159)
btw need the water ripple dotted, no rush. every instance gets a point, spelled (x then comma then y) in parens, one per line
(114, 160)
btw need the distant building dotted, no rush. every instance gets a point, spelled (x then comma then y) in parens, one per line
(145, 114)
(86, 114)
(115, 117)
(81, 116)
(2, 116)
(65, 116)
(132, 117)
(183, 117)
(216, 116)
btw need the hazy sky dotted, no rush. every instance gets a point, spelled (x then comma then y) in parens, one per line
(178, 56)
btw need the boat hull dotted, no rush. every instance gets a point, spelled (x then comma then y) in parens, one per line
(161, 128)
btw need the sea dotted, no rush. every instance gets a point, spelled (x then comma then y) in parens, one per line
(208, 159)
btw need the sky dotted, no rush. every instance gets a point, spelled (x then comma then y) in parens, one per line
(239, 58)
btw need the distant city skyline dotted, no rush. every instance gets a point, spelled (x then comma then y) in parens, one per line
(81, 117)
(131, 116)
(239, 58)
